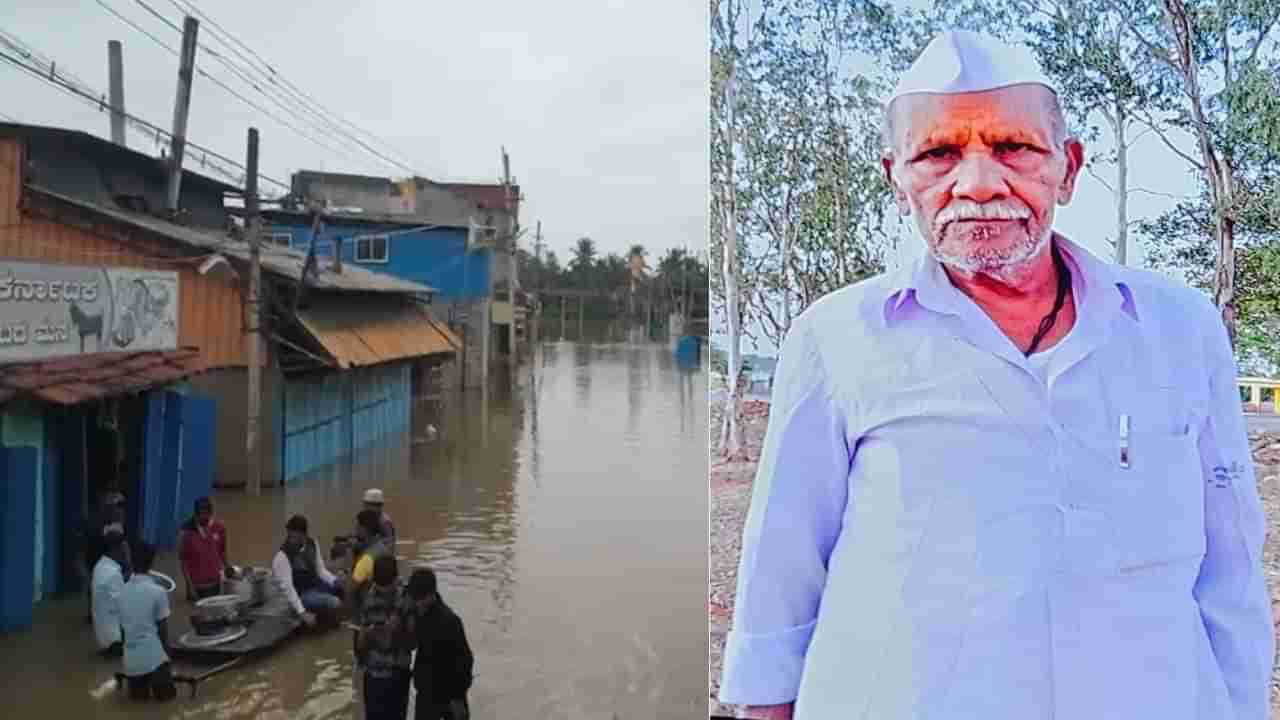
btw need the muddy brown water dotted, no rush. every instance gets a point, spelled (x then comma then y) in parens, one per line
(566, 519)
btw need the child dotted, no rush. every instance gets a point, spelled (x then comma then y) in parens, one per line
(387, 645)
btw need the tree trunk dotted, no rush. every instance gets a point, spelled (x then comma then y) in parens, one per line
(1122, 186)
(1216, 166)
(731, 440)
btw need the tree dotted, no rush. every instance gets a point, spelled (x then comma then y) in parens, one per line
(583, 262)
(727, 57)
(1212, 52)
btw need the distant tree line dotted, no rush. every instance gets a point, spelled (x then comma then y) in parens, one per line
(586, 269)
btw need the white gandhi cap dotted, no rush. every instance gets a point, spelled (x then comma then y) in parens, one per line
(373, 495)
(959, 61)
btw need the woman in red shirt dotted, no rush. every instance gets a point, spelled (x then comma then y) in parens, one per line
(202, 548)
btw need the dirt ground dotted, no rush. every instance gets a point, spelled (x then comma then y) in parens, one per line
(731, 497)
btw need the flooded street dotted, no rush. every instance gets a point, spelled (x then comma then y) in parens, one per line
(566, 519)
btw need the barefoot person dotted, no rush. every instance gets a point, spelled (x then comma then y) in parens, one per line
(1011, 481)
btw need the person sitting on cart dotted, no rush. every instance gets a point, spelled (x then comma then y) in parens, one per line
(144, 615)
(202, 547)
(301, 576)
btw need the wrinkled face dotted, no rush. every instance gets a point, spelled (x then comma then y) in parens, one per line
(982, 174)
(296, 539)
(376, 507)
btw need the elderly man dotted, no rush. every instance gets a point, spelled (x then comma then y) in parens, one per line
(1011, 481)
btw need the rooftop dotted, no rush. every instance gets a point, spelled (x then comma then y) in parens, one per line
(277, 260)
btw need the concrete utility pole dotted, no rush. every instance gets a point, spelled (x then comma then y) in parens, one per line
(513, 227)
(115, 91)
(181, 108)
(253, 316)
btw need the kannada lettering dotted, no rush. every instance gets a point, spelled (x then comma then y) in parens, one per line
(12, 288)
(22, 334)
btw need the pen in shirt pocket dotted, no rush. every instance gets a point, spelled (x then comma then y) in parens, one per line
(1124, 440)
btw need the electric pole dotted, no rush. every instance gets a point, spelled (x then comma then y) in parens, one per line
(181, 108)
(253, 316)
(115, 92)
(513, 227)
(537, 284)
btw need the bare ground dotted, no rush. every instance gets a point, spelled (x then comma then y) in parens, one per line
(731, 483)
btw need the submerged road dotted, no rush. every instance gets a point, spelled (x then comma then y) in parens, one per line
(566, 519)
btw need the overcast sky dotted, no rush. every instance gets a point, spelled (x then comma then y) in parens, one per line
(602, 104)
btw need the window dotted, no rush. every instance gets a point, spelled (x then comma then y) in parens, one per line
(372, 248)
(279, 238)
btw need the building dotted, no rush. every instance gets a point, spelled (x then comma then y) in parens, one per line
(123, 354)
(439, 256)
(489, 213)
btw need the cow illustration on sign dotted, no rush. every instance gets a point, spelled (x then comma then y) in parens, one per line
(143, 309)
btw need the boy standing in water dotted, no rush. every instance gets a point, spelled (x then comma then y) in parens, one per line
(387, 645)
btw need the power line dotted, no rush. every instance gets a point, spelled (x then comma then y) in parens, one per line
(277, 78)
(51, 76)
(217, 81)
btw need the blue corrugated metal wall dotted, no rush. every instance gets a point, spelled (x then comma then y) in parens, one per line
(18, 467)
(330, 416)
(437, 258)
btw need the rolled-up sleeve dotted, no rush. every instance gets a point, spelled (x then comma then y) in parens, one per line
(797, 503)
(1231, 589)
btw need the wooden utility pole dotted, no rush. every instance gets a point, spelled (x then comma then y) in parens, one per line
(513, 227)
(115, 91)
(254, 315)
(181, 108)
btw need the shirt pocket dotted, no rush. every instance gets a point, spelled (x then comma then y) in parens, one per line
(1157, 501)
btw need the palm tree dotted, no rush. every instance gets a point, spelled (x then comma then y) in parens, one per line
(584, 261)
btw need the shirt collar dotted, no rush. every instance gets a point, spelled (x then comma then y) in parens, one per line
(926, 283)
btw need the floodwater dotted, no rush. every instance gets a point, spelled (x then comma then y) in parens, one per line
(566, 518)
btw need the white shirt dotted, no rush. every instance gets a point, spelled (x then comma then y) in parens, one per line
(282, 572)
(143, 603)
(935, 534)
(108, 581)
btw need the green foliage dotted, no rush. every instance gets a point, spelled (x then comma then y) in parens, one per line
(588, 271)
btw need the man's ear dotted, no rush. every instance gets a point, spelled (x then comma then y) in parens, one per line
(1074, 150)
(899, 197)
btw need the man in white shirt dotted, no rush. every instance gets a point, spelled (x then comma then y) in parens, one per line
(1012, 481)
(108, 582)
(144, 613)
(299, 572)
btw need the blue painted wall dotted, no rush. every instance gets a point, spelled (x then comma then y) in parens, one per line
(328, 417)
(433, 257)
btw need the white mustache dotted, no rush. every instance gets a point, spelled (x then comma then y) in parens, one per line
(960, 210)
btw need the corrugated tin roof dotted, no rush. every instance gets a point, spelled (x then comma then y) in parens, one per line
(276, 259)
(106, 147)
(83, 378)
(369, 334)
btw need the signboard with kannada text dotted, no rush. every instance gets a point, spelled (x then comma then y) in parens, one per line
(50, 311)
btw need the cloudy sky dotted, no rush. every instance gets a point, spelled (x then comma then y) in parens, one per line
(600, 103)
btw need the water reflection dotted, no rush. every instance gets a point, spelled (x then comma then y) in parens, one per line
(566, 519)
